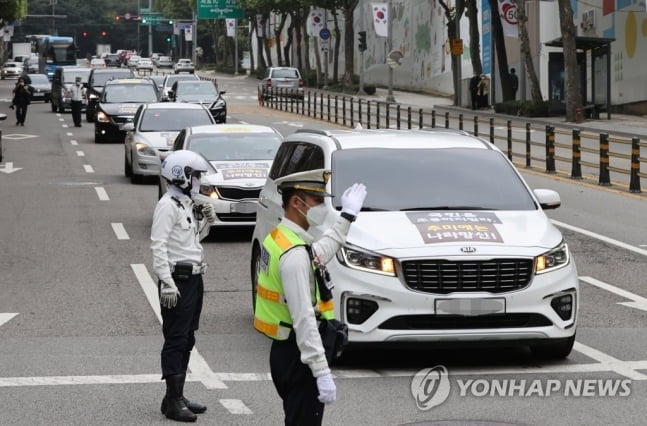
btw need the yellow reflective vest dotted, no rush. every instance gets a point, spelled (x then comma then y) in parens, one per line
(272, 314)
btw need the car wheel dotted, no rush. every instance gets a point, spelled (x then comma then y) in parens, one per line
(128, 170)
(98, 138)
(554, 351)
(136, 178)
(255, 266)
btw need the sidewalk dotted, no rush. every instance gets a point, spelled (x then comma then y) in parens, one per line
(619, 124)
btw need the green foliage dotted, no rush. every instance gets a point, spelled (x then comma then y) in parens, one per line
(13, 10)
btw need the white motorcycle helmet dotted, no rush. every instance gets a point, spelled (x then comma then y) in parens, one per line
(181, 166)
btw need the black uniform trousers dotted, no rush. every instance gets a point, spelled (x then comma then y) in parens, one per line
(295, 384)
(179, 324)
(76, 114)
(21, 112)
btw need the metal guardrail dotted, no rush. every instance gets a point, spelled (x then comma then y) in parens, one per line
(584, 153)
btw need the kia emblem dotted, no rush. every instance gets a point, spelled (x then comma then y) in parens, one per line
(468, 249)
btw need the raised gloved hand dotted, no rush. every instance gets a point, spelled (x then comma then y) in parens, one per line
(209, 212)
(327, 389)
(353, 199)
(168, 293)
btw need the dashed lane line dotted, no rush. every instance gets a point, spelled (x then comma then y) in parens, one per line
(120, 231)
(637, 302)
(80, 154)
(74, 142)
(4, 317)
(88, 168)
(101, 193)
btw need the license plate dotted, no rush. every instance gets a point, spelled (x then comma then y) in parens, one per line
(470, 307)
(244, 208)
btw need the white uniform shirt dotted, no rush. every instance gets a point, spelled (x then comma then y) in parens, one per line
(296, 270)
(175, 233)
(77, 92)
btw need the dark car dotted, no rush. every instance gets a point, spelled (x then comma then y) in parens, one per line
(62, 81)
(42, 88)
(98, 79)
(117, 106)
(30, 64)
(112, 60)
(201, 92)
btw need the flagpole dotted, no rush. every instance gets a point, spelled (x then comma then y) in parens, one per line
(389, 96)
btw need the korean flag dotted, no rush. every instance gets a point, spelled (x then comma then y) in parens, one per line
(231, 27)
(315, 22)
(381, 19)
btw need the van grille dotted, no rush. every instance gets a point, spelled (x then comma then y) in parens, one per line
(441, 276)
(232, 193)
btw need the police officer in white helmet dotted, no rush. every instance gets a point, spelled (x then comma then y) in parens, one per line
(178, 260)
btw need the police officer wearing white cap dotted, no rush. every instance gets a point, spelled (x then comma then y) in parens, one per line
(178, 261)
(77, 93)
(287, 299)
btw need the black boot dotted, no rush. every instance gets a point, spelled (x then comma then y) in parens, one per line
(195, 407)
(176, 408)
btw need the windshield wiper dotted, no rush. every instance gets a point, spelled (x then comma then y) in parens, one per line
(411, 209)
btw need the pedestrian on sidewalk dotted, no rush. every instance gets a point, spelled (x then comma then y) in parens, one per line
(178, 261)
(484, 92)
(514, 82)
(77, 93)
(474, 87)
(21, 99)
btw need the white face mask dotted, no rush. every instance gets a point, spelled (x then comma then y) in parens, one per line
(316, 215)
(195, 186)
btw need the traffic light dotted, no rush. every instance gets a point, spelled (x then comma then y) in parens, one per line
(362, 41)
(168, 39)
(117, 17)
(144, 21)
(170, 22)
(104, 33)
(84, 33)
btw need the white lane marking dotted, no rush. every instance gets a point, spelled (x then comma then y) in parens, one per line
(120, 231)
(65, 126)
(101, 193)
(601, 237)
(88, 168)
(637, 302)
(69, 133)
(61, 119)
(235, 406)
(616, 365)
(74, 142)
(197, 364)
(80, 154)
(4, 317)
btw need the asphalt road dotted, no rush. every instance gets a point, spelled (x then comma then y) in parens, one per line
(80, 337)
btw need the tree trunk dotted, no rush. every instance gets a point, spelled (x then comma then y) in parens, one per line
(526, 56)
(571, 70)
(471, 11)
(349, 40)
(335, 65)
(288, 44)
(501, 55)
(277, 38)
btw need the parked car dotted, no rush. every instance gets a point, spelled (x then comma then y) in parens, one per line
(144, 64)
(201, 92)
(240, 156)
(118, 104)
(169, 79)
(441, 251)
(184, 65)
(164, 62)
(42, 87)
(62, 81)
(284, 81)
(153, 131)
(11, 70)
(96, 82)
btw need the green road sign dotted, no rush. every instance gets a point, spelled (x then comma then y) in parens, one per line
(220, 9)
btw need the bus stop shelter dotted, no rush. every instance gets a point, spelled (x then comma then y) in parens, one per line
(600, 70)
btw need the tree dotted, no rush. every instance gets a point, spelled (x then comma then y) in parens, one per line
(453, 15)
(572, 78)
(526, 57)
(471, 11)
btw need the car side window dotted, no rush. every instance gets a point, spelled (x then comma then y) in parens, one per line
(179, 141)
(296, 157)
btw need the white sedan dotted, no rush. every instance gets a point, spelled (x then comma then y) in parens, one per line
(240, 156)
(144, 64)
(184, 65)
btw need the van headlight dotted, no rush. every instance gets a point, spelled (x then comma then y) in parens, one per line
(356, 258)
(555, 259)
(102, 117)
(144, 149)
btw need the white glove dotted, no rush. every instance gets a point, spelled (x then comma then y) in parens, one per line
(353, 199)
(209, 212)
(168, 293)
(327, 389)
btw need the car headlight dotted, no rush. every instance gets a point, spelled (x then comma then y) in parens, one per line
(362, 260)
(143, 149)
(218, 104)
(66, 93)
(93, 97)
(555, 259)
(102, 117)
(209, 191)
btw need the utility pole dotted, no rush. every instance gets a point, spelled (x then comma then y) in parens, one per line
(150, 32)
(362, 27)
(389, 96)
(459, 59)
